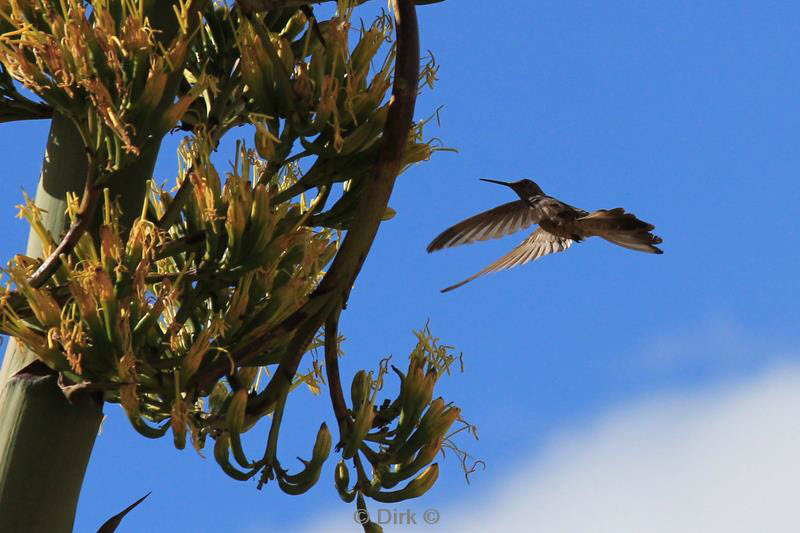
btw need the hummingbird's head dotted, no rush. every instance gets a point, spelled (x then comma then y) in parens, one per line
(524, 188)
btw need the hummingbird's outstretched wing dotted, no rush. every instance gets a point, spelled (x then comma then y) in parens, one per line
(538, 244)
(498, 222)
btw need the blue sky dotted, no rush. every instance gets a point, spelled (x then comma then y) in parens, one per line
(607, 385)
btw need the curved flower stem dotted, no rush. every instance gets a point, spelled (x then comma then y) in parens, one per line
(332, 370)
(334, 289)
(270, 460)
(84, 217)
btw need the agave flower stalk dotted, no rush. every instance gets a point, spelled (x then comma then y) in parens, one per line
(192, 307)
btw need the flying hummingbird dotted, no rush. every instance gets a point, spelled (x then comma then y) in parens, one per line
(559, 226)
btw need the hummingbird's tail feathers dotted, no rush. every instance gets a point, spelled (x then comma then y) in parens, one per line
(498, 222)
(639, 245)
(621, 228)
(538, 244)
(613, 219)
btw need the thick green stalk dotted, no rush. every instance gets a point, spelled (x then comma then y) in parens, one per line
(45, 442)
(63, 170)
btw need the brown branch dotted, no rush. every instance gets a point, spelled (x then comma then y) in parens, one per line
(89, 201)
(378, 188)
(14, 106)
(248, 6)
(11, 111)
(334, 289)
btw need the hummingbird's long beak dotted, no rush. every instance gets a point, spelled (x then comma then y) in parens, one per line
(506, 183)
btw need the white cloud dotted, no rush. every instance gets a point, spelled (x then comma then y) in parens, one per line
(722, 460)
(725, 459)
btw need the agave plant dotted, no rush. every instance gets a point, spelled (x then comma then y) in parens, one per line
(192, 306)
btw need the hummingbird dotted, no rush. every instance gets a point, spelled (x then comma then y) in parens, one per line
(560, 225)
